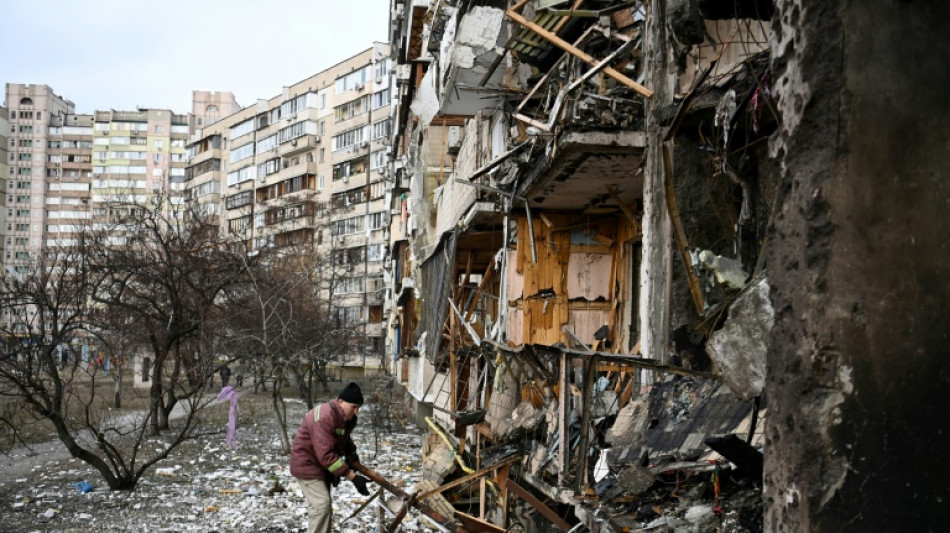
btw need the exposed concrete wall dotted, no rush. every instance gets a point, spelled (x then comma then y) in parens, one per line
(858, 365)
(655, 267)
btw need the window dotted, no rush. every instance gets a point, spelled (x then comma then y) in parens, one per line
(322, 155)
(159, 128)
(354, 80)
(378, 159)
(381, 129)
(268, 167)
(350, 109)
(349, 138)
(238, 200)
(348, 198)
(347, 226)
(242, 152)
(375, 220)
(352, 285)
(381, 99)
(349, 168)
(347, 315)
(242, 175)
(382, 68)
(377, 190)
(297, 130)
(321, 182)
(241, 129)
(267, 143)
(323, 101)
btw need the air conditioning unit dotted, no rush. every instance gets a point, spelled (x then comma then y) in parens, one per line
(403, 72)
(358, 87)
(346, 179)
(293, 142)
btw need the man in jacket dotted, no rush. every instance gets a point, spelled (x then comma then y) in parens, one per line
(322, 454)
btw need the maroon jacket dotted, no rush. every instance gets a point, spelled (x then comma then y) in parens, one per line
(321, 444)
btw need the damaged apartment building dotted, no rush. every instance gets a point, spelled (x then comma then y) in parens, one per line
(616, 261)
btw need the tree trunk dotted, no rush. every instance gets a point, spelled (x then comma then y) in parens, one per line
(281, 417)
(117, 390)
(155, 403)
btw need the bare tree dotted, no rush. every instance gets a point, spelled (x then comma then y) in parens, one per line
(50, 371)
(285, 324)
(165, 272)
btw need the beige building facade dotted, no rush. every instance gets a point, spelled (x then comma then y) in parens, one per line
(308, 166)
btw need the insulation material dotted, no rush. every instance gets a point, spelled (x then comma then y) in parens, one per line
(589, 275)
(584, 322)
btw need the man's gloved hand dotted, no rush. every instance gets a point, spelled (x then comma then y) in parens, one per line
(360, 483)
(353, 459)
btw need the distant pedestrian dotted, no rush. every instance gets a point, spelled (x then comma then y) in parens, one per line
(323, 453)
(225, 374)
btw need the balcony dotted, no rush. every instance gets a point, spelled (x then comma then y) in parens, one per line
(298, 145)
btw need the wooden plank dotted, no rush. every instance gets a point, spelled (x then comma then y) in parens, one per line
(470, 477)
(477, 525)
(623, 206)
(478, 291)
(562, 420)
(545, 511)
(501, 478)
(574, 51)
(580, 476)
(481, 498)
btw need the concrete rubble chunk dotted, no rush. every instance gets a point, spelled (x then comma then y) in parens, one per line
(631, 421)
(727, 271)
(478, 33)
(635, 479)
(739, 348)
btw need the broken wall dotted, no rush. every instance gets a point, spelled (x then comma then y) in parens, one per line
(580, 265)
(858, 364)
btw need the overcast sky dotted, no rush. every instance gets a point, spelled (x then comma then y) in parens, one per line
(125, 54)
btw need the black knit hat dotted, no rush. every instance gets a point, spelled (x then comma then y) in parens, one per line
(352, 393)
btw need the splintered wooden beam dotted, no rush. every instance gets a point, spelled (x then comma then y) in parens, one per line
(388, 485)
(545, 511)
(477, 525)
(465, 479)
(574, 51)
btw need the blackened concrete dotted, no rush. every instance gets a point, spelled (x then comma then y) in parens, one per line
(858, 264)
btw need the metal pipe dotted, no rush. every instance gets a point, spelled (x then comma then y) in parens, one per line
(534, 251)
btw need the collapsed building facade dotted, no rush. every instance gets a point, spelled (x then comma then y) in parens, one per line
(607, 226)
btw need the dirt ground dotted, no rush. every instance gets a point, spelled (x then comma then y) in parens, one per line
(205, 486)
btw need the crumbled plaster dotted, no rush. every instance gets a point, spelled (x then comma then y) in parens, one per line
(788, 38)
(426, 102)
(478, 34)
(739, 349)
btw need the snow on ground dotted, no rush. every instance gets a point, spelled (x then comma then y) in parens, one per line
(205, 486)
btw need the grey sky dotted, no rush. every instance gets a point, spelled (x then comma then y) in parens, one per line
(123, 54)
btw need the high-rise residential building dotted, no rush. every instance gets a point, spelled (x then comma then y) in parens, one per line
(137, 154)
(69, 177)
(308, 167)
(31, 108)
(4, 124)
(64, 168)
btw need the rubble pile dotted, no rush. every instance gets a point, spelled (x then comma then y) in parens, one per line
(207, 487)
